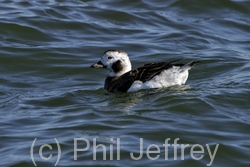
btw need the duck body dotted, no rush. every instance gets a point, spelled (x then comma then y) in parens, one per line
(152, 75)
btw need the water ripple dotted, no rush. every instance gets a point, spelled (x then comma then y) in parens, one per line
(48, 90)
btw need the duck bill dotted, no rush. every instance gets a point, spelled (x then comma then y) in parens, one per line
(98, 65)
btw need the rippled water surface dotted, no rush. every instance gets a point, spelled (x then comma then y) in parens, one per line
(49, 93)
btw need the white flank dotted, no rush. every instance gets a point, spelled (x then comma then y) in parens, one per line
(173, 76)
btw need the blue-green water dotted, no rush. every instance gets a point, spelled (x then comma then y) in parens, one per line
(48, 91)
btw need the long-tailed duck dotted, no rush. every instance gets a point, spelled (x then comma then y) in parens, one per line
(122, 78)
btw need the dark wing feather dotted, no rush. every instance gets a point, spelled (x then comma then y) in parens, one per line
(143, 73)
(150, 70)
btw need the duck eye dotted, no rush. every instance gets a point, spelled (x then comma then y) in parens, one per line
(110, 57)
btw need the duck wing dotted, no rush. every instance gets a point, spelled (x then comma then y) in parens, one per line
(143, 74)
(148, 71)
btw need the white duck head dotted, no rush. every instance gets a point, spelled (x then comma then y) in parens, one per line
(116, 60)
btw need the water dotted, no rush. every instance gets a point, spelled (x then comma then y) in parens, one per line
(48, 91)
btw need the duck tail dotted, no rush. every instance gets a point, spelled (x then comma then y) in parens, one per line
(189, 65)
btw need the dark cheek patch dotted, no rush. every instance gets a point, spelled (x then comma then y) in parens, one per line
(117, 66)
